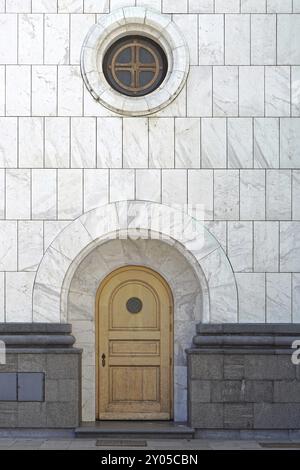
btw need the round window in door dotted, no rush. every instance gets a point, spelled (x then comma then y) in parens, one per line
(135, 65)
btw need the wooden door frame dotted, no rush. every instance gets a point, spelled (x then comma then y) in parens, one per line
(97, 339)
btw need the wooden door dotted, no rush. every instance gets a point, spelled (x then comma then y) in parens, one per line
(135, 346)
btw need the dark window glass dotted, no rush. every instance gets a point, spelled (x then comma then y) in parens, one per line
(135, 65)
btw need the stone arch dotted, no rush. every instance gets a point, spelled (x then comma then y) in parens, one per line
(81, 236)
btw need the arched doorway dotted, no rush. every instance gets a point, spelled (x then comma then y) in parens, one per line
(134, 346)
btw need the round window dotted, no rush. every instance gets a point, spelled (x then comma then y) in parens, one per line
(135, 65)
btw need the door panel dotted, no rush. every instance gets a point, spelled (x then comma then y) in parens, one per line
(135, 345)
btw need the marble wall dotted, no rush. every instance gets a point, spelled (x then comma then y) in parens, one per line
(230, 140)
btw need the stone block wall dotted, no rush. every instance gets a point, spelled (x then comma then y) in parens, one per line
(248, 383)
(38, 348)
(230, 141)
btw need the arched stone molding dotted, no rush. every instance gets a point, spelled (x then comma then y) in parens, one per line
(72, 245)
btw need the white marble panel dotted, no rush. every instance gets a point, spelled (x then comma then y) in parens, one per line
(211, 39)
(8, 39)
(44, 90)
(227, 6)
(69, 187)
(240, 143)
(44, 6)
(296, 297)
(2, 90)
(279, 195)
(148, 185)
(122, 185)
(187, 143)
(96, 6)
(135, 142)
(201, 6)
(31, 142)
(288, 38)
(290, 246)
(266, 247)
(18, 90)
(2, 297)
(44, 194)
(226, 194)
(154, 4)
(199, 92)
(200, 190)
(30, 50)
(95, 188)
(263, 39)
(57, 39)
(296, 6)
(114, 4)
(30, 244)
(83, 142)
(289, 143)
(214, 143)
(18, 6)
(18, 198)
(161, 143)
(174, 6)
(8, 142)
(252, 195)
(225, 91)
(8, 245)
(240, 246)
(279, 6)
(296, 195)
(80, 25)
(70, 6)
(52, 229)
(237, 39)
(174, 187)
(109, 142)
(295, 74)
(266, 143)
(251, 91)
(70, 91)
(19, 288)
(57, 142)
(2, 6)
(278, 91)
(251, 289)
(253, 6)
(279, 306)
(2, 193)
(188, 25)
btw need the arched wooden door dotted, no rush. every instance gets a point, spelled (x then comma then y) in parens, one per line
(134, 311)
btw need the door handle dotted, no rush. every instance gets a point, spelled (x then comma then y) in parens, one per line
(103, 360)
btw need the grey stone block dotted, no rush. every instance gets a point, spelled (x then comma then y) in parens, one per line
(200, 391)
(238, 416)
(8, 415)
(206, 416)
(62, 415)
(32, 362)
(62, 390)
(234, 367)
(258, 391)
(287, 391)
(62, 366)
(276, 416)
(11, 363)
(272, 367)
(206, 366)
(31, 415)
(228, 391)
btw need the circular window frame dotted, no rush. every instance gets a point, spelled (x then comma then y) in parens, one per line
(141, 22)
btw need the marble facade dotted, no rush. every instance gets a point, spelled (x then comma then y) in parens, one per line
(230, 141)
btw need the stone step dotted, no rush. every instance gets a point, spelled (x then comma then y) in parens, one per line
(134, 430)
